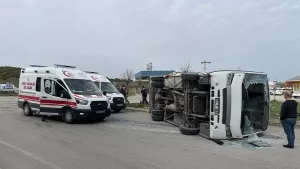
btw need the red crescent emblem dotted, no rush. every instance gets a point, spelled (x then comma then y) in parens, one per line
(68, 74)
(94, 78)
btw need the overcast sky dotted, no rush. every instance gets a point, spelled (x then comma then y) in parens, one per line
(111, 35)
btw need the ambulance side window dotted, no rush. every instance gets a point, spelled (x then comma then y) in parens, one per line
(48, 86)
(38, 84)
(58, 88)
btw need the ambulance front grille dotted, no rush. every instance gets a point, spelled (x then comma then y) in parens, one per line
(118, 100)
(98, 105)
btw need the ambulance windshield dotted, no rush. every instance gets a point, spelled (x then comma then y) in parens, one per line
(82, 86)
(108, 87)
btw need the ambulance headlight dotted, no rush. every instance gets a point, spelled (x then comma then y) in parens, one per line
(83, 102)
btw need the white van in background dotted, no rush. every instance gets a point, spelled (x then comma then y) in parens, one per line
(116, 99)
(61, 90)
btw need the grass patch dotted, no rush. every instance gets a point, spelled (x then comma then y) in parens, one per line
(137, 105)
(275, 108)
(8, 94)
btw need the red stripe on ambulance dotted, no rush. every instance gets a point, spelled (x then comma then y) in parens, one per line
(58, 102)
(47, 102)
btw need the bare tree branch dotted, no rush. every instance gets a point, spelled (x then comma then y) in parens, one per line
(128, 76)
(186, 68)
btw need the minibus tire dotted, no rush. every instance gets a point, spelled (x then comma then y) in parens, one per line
(189, 131)
(157, 118)
(69, 116)
(190, 76)
(157, 84)
(157, 79)
(27, 110)
(158, 112)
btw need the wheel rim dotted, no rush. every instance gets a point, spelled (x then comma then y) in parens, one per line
(68, 116)
(26, 109)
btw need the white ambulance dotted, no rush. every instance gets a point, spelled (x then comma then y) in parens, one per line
(116, 99)
(60, 90)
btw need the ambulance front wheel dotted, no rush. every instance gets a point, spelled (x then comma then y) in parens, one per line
(27, 110)
(69, 116)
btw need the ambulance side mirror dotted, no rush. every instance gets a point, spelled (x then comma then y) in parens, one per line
(65, 94)
(104, 93)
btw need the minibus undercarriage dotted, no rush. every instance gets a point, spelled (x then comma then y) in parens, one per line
(185, 101)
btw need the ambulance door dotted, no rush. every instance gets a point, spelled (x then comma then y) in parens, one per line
(51, 100)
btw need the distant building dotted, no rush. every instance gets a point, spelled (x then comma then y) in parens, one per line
(272, 84)
(294, 83)
(142, 75)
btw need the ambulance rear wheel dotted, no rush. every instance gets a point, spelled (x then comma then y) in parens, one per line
(27, 110)
(69, 117)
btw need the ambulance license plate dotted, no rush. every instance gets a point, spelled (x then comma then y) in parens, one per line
(119, 104)
(99, 112)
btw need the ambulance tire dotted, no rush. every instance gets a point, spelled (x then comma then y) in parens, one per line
(157, 78)
(101, 118)
(69, 116)
(27, 110)
(189, 131)
(190, 76)
(118, 111)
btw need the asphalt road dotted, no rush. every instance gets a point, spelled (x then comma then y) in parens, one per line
(126, 140)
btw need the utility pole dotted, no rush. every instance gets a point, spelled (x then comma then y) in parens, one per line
(149, 66)
(205, 65)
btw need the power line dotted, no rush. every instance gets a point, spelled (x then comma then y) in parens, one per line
(205, 65)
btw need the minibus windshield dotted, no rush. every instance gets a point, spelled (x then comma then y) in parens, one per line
(255, 99)
(82, 87)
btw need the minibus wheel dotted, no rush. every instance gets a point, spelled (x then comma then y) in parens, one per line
(69, 116)
(154, 84)
(190, 76)
(157, 117)
(157, 79)
(27, 110)
(189, 131)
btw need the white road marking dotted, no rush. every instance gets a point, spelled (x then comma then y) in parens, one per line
(41, 160)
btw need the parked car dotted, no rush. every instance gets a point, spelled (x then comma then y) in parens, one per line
(272, 92)
(278, 91)
(296, 94)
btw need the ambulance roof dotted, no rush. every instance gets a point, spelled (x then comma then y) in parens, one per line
(97, 77)
(63, 72)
